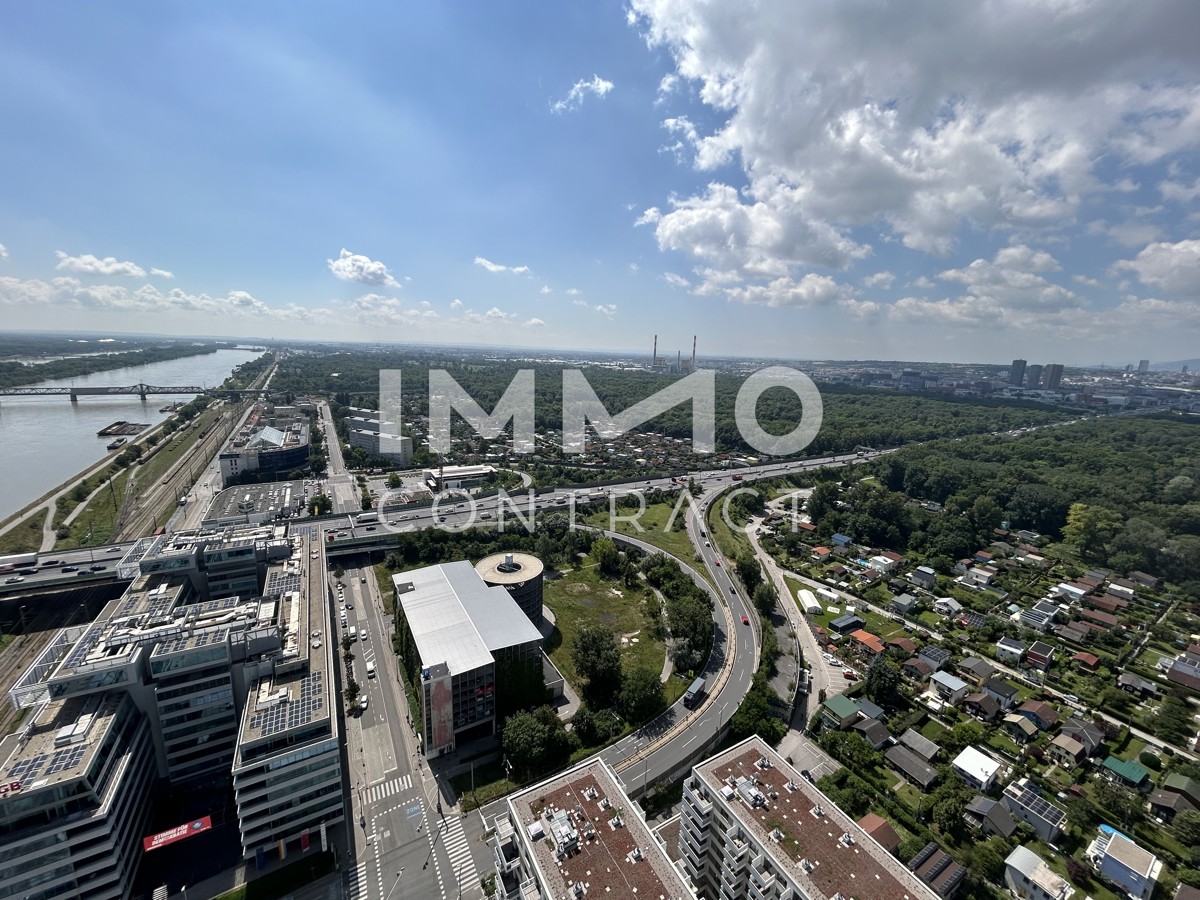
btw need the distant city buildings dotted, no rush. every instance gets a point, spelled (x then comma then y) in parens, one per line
(272, 439)
(1016, 372)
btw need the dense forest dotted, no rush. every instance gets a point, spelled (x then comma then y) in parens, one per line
(1124, 491)
(18, 374)
(851, 416)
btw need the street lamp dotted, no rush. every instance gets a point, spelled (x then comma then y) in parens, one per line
(394, 883)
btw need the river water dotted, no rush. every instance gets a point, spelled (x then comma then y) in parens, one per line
(46, 440)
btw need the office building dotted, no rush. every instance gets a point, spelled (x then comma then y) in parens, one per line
(210, 666)
(462, 478)
(521, 574)
(578, 835)
(392, 447)
(1033, 376)
(1143, 366)
(1052, 377)
(458, 638)
(1016, 372)
(751, 826)
(268, 441)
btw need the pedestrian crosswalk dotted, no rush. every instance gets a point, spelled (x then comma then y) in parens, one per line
(383, 790)
(358, 882)
(458, 848)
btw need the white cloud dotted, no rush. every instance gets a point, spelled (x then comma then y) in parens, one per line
(811, 290)
(497, 314)
(572, 292)
(456, 304)
(666, 87)
(546, 289)
(607, 309)
(597, 87)
(496, 267)
(87, 264)
(162, 273)
(1013, 281)
(361, 270)
(535, 322)
(1174, 268)
(1127, 234)
(995, 121)
(1086, 280)
(582, 303)
(1179, 191)
(879, 279)
(676, 280)
(3, 252)
(378, 310)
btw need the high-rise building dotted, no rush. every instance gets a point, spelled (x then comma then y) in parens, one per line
(1016, 372)
(1053, 376)
(1033, 376)
(1143, 366)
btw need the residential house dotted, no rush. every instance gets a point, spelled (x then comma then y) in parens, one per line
(905, 604)
(1072, 632)
(1040, 655)
(881, 564)
(1109, 604)
(869, 576)
(1010, 650)
(839, 712)
(1039, 617)
(1026, 802)
(820, 554)
(935, 656)
(923, 577)
(917, 669)
(1040, 713)
(920, 745)
(911, 766)
(841, 540)
(977, 768)
(963, 566)
(1089, 734)
(990, 816)
(1088, 662)
(880, 829)
(1166, 806)
(874, 732)
(907, 646)
(1126, 772)
(1141, 579)
(947, 606)
(975, 670)
(981, 576)
(846, 623)
(949, 687)
(1176, 794)
(1133, 869)
(1019, 728)
(1099, 617)
(1071, 591)
(1066, 751)
(1136, 684)
(866, 642)
(983, 557)
(1001, 691)
(935, 867)
(971, 619)
(981, 706)
(1029, 877)
(869, 710)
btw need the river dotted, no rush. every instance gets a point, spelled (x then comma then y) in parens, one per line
(46, 440)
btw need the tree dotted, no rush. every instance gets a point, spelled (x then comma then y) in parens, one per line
(583, 725)
(1174, 721)
(823, 500)
(1187, 827)
(394, 481)
(598, 660)
(320, 505)
(642, 695)
(748, 569)
(535, 742)
(883, 680)
(606, 556)
(1090, 527)
(765, 598)
(1120, 801)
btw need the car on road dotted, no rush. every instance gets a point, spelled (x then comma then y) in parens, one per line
(364, 579)
(849, 674)
(16, 579)
(99, 568)
(362, 701)
(114, 549)
(349, 604)
(69, 569)
(717, 563)
(806, 775)
(745, 620)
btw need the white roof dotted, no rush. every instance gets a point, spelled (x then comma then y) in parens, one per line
(977, 764)
(950, 682)
(457, 619)
(1038, 872)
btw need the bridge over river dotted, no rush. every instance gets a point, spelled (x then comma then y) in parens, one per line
(139, 390)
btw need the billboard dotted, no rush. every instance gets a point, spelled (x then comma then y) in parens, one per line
(178, 833)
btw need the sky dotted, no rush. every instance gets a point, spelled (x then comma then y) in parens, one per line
(830, 179)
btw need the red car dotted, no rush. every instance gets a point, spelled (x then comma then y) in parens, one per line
(745, 620)
(849, 674)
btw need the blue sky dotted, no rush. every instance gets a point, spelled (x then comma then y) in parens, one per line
(917, 180)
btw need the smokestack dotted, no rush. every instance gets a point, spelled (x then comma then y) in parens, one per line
(693, 353)
(654, 353)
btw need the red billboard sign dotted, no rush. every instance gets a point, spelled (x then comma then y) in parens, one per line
(178, 833)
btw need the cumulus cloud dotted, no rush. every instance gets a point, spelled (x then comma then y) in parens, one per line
(811, 290)
(582, 303)
(381, 310)
(676, 280)
(998, 121)
(606, 309)
(879, 279)
(496, 267)
(535, 322)
(162, 273)
(3, 252)
(456, 304)
(597, 87)
(361, 270)
(87, 264)
(1174, 268)
(497, 314)
(545, 289)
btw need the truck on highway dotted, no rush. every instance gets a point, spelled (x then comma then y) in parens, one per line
(16, 561)
(367, 518)
(694, 694)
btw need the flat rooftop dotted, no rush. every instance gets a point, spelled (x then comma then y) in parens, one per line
(625, 861)
(257, 499)
(509, 568)
(60, 743)
(811, 826)
(456, 618)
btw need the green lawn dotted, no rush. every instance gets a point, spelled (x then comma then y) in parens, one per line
(584, 597)
(99, 517)
(25, 536)
(654, 522)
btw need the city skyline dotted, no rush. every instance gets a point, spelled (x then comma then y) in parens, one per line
(583, 178)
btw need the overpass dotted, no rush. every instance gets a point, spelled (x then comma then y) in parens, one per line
(139, 390)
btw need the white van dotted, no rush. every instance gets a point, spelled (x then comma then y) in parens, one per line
(353, 634)
(370, 669)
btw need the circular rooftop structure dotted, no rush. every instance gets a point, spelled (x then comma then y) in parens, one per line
(521, 575)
